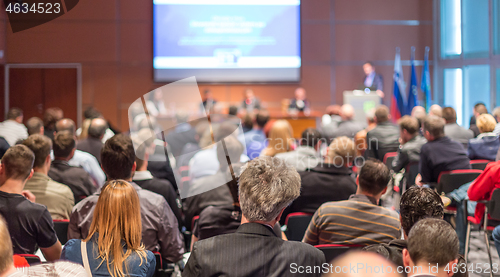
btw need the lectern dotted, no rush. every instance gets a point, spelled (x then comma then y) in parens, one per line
(362, 101)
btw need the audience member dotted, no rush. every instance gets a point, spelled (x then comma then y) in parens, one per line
(432, 249)
(50, 118)
(266, 187)
(496, 114)
(247, 119)
(89, 114)
(143, 177)
(478, 110)
(182, 134)
(307, 154)
(347, 127)
(114, 237)
(360, 137)
(409, 150)
(80, 158)
(76, 178)
(383, 138)
(473, 116)
(416, 203)
(453, 130)
(440, 153)
(4, 146)
(331, 118)
(250, 103)
(373, 266)
(330, 180)
(7, 262)
(93, 143)
(358, 220)
(256, 139)
(280, 139)
(29, 224)
(436, 110)
(12, 129)
(35, 126)
(419, 113)
(58, 198)
(485, 146)
(300, 102)
(160, 231)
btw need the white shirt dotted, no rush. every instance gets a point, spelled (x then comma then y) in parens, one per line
(12, 131)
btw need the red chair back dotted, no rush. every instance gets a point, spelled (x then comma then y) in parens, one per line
(389, 157)
(449, 181)
(332, 251)
(296, 225)
(31, 259)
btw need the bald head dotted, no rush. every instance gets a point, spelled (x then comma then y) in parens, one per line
(436, 110)
(418, 112)
(366, 264)
(97, 128)
(300, 94)
(66, 124)
(347, 112)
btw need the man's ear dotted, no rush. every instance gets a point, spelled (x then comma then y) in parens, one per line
(31, 174)
(48, 159)
(134, 167)
(406, 257)
(384, 191)
(451, 265)
(357, 180)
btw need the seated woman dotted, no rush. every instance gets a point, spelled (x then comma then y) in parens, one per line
(280, 139)
(113, 246)
(485, 146)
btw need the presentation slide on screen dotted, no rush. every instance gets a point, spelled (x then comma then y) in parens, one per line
(227, 40)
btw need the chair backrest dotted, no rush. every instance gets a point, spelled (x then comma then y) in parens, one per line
(449, 181)
(479, 164)
(411, 172)
(159, 262)
(332, 251)
(31, 259)
(194, 221)
(389, 157)
(296, 225)
(61, 228)
(494, 205)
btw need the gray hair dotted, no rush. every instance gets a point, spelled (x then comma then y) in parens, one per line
(266, 186)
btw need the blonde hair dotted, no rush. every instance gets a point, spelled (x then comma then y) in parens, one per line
(486, 123)
(343, 148)
(6, 254)
(280, 138)
(85, 129)
(117, 219)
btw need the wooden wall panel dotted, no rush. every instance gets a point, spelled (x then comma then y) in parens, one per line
(383, 10)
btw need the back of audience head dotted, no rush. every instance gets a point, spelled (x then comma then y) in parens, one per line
(261, 118)
(97, 128)
(433, 128)
(311, 137)
(373, 178)
(247, 120)
(118, 157)
(479, 109)
(436, 110)
(333, 110)
(382, 114)
(65, 124)
(419, 113)
(418, 203)
(347, 112)
(408, 127)
(51, 116)
(91, 113)
(341, 152)
(6, 252)
(280, 138)
(41, 146)
(181, 117)
(267, 185)
(432, 242)
(144, 146)
(17, 163)
(15, 114)
(64, 145)
(486, 123)
(449, 115)
(234, 150)
(370, 261)
(117, 219)
(233, 110)
(496, 113)
(34, 126)
(370, 116)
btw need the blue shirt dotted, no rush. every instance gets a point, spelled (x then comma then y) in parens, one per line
(72, 252)
(255, 143)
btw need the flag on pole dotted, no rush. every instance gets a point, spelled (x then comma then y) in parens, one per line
(398, 100)
(413, 89)
(425, 84)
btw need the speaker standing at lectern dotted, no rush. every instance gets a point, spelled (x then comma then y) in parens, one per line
(372, 80)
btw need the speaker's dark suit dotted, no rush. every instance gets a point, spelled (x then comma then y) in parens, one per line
(254, 250)
(378, 82)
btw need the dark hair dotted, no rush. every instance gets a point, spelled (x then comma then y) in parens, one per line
(450, 115)
(433, 241)
(34, 125)
(418, 203)
(410, 124)
(310, 137)
(435, 126)
(382, 114)
(261, 118)
(233, 110)
(63, 143)
(369, 62)
(14, 113)
(118, 157)
(374, 176)
(51, 116)
(91, 113)
(481, 109)
(478, 104)
(41, 146)
(18, 162)
(97, 129)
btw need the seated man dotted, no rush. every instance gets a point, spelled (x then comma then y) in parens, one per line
(383, 138)
(440, 153)
(12, 129)
(432, 249)
(256, 139)
(358, 220)
(34, 126)
(307, 155)
(266, 187)
(76, 178)
(30, 224)
(57, 197)
(7, 268)
(409, 150)
(93, 143)
(347, 127)
(331, 180)
(160, 231)
(453, 130)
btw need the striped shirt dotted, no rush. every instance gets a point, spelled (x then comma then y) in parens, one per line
(355, 221)
(12, 131)
(57, 269)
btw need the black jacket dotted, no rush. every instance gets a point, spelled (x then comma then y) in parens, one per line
(381, 140)
(76, 178)
(92, 146)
